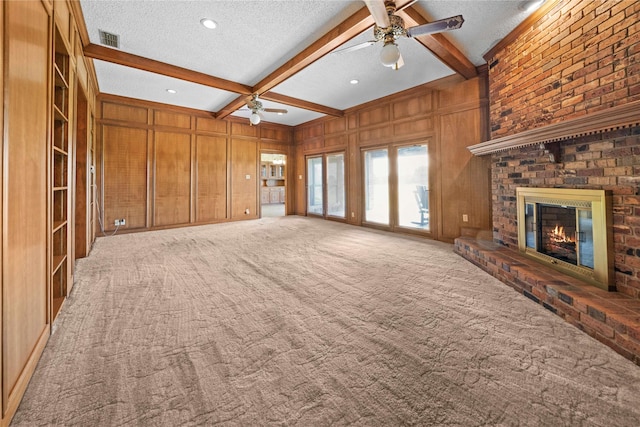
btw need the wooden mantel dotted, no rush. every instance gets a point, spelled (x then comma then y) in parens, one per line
(621, 116)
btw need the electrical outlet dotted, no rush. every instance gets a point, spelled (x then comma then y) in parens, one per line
(116, 222)
(465, 218)
(353, 214)
(122, 221)
(246, 211)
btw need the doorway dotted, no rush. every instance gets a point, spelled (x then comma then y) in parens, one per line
(273, 185)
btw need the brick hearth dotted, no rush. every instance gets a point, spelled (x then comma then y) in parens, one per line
(610, 317)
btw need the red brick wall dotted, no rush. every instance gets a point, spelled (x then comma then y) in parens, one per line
(608, 161)
(583, 56)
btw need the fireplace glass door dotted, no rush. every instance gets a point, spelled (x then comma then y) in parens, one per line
(561, 232)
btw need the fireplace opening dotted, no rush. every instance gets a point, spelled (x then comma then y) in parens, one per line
(567, 229)
(561, 232)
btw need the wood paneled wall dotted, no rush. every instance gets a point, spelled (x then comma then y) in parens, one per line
(167, 166)
(26, 126)
(449, 115)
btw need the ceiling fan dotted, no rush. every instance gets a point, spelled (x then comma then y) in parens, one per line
(389, 27)
(254, 104)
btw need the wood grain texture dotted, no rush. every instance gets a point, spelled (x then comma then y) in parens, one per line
(125, 176)
(82, 235)
(211, 182)
(244, 191)
(171, 119)
(25, 178)
(172, 178)
(122, 112)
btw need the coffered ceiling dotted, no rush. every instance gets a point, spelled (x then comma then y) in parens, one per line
(281, 49)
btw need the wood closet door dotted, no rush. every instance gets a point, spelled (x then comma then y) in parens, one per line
(25, 323)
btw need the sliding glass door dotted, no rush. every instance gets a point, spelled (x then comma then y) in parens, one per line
(315, 189)
(396, 186)
(326, 185)
(376, 186)
(413, 186)
(335, 185)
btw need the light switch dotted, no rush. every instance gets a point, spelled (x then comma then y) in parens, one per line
(248, 176)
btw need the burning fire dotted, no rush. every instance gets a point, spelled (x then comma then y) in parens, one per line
(557, 235)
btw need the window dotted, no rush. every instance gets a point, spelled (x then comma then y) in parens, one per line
(376, 186)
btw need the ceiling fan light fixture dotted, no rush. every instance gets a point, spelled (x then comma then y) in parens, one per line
(209, 23)
(390, 54)
(254, 118)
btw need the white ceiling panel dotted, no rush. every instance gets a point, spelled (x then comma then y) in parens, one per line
(327, 81)
(486, 22)
(251, 40)
(130, 82)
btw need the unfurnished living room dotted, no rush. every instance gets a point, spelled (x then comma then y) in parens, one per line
(320, 212)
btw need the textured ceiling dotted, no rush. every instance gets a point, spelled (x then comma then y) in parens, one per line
(254, 38)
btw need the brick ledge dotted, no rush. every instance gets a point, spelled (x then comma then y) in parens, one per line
(610, 317)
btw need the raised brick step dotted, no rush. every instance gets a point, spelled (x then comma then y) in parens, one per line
(610, 317)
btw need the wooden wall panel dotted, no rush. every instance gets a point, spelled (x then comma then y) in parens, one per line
(276, 134)
(25, 190)
(172, 174)
(374, 116)
(242, 129)
(126, 113)
(413, 127)
(124, 176)
(336, 125)
(211, 181)
(412, 107)
(459, 186)
(244, 184)
(211, 125)
(171, 119)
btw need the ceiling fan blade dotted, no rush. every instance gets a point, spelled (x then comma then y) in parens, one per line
(355, 47)
(275, 110)
(446, 24)
(378, 10)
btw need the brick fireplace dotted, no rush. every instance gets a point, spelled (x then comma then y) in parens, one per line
(564, 112)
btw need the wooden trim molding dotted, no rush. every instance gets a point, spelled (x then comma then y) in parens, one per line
(621, 116)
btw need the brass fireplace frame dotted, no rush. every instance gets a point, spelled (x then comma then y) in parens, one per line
(602, 275)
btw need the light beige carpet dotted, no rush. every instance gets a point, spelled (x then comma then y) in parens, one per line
(298, 321)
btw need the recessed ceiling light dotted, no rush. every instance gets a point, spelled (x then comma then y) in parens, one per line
(209, 23)
(172, 91)
(354, 81)
(280, 114)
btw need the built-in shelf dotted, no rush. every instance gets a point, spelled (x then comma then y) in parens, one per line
(60, 146)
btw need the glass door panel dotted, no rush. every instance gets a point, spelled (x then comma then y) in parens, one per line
(335, 185)
(376, 186)
(413, 187)
(314, 186)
